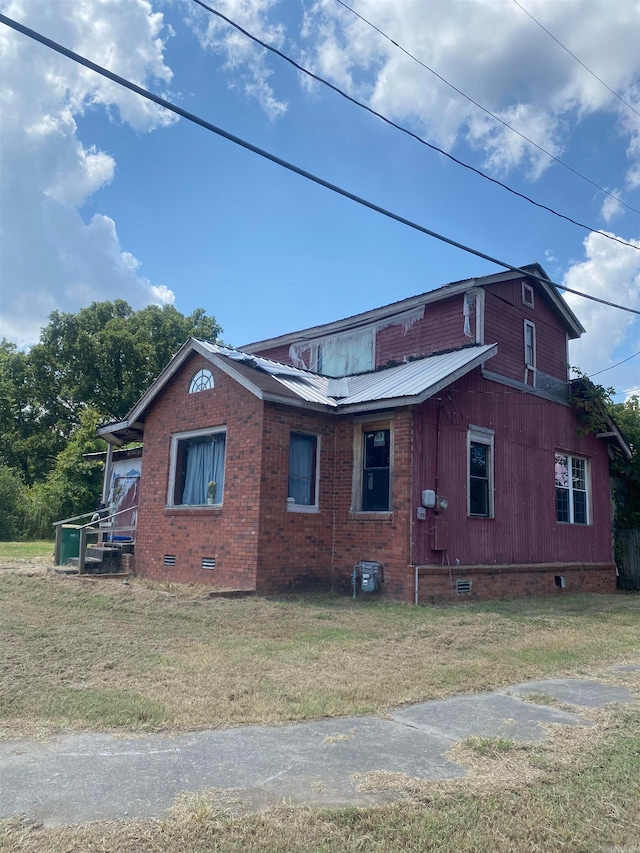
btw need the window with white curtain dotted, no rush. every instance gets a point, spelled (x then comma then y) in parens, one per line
(303, 471)
(572, 489)
(197, 468)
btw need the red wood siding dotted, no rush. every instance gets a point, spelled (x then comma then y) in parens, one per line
(442, 327)
(505, 314)
(528, 431)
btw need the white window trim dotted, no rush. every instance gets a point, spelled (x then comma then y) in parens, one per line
(362, 425)
(315, 507)
(173, 456)
(587, 483)
(529, 325)
(481, 435)
(527, 289)
(202, 374)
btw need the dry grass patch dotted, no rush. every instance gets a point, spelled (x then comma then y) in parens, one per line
(99, 655)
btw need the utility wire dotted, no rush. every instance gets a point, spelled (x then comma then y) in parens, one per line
(617, 364)
(145, 93)
(579, 61)
(404, 129)
(487, 111)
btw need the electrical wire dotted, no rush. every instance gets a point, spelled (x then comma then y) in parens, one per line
(579, 61)
(487, 111)
(617, 364)
(628, 391)
(403, 129)
(145, 93)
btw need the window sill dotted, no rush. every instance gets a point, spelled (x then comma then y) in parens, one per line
(368, 515)
(482, 517)
(302, 508)
(202, 509)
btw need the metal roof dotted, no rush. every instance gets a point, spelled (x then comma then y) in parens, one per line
(403, 384)
(415, 379)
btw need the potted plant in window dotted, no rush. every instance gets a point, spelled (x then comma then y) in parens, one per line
(211, 492)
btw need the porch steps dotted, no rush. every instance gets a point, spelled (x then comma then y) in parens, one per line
(104, 559)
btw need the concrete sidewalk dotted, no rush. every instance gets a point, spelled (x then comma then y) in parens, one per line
(79, 778)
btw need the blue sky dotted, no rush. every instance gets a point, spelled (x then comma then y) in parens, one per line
(105, 196)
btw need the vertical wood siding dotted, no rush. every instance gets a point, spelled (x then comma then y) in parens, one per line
(528, 431)
(505, 314)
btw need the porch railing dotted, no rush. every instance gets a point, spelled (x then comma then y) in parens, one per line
(98, 527)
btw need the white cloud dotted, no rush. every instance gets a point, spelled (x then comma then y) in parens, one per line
(243, 60)
(611, 207)
(496, 55)
(51, 258)
(610, 271)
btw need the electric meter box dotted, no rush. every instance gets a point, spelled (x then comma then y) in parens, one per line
(370, 576)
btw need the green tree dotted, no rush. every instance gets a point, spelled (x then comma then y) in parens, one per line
(72, 486)
(11, 500)
(103, 358)
(627, 472)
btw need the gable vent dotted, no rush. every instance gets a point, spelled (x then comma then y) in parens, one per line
(169, 560)
(463, 587)
(208, 562)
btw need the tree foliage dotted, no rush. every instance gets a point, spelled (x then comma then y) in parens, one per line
(103, 357)
(595, 409)
(86, 368)
(627, 472)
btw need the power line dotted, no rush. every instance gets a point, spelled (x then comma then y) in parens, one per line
(145, 93)
(628, 391)
(579, 61)
(404, 129)
(487, 111)
(617, 364)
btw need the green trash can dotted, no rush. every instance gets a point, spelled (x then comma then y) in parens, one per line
(69, 542)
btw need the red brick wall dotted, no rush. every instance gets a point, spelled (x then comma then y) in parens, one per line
(228, 534)
(436, 583)
(383, 537)
(294, 548)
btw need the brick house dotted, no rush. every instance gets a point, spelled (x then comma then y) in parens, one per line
(433, 436)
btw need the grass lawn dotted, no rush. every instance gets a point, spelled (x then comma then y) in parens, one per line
(97, 654)
(26, 550)
(100, 655)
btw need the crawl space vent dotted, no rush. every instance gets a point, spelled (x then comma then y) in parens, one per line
(463, 587)
(169, 560)
(208, 562)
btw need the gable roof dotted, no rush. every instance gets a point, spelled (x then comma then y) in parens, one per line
(401, 385)
(536, 274)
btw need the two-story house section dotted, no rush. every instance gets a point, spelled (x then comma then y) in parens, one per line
(432, 439)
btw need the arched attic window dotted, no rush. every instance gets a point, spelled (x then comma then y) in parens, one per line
(202, 381)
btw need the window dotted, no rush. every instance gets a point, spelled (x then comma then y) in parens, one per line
(527, 294)
(376, 459)
(572, 504)
(529, 345)
(342, 355)
(197, 468)
(202, 381)
(480, 472)
(303, 471)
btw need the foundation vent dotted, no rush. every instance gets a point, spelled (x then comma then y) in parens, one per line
(169, 560)
(463, 587)
(208, 562)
